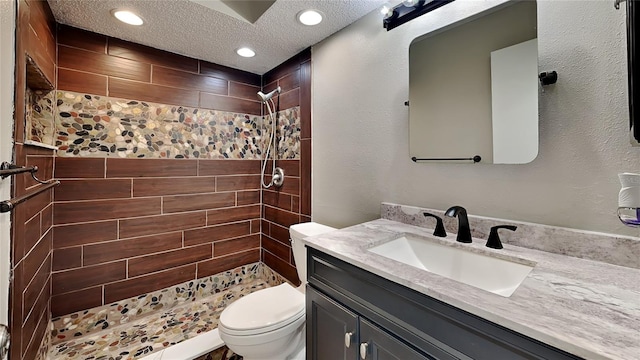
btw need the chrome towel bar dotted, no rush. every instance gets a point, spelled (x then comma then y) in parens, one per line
(8, 169)
(8, 205)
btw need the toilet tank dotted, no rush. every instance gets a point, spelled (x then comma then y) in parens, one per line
(298, 232)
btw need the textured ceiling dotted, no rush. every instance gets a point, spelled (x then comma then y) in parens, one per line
(191, 29)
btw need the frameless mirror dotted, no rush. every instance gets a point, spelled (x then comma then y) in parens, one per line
(473, 89)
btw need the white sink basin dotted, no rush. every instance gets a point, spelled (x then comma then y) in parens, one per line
(489, 273)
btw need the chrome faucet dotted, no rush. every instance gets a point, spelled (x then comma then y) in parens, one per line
(464, 232)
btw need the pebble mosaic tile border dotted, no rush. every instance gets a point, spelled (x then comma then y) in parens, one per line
(222, 353)
(101, 126)
(39, 116)
(97, 319)
(287, 132)
(43, 350)
(156, 331)
(270, 276)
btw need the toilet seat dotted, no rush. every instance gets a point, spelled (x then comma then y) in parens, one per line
(263, 311)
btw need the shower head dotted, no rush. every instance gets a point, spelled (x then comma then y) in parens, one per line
(264, 97)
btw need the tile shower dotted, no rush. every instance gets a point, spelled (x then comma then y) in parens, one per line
(135, 327)
(155, 193)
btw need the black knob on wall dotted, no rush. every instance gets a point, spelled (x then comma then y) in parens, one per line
(548, 78)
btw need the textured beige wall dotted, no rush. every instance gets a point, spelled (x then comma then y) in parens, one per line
(360, 125)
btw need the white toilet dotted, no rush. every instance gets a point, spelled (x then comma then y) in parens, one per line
(269, 324)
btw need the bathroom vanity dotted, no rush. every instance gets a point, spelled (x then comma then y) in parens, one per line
(383, 320)
(361, 305)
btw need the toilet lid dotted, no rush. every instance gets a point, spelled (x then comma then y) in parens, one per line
(269, 308)
(302, 230)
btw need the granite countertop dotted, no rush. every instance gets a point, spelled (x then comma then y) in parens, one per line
(587, 308)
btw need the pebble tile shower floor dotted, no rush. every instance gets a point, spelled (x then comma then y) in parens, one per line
(220, 354)
(158, 330)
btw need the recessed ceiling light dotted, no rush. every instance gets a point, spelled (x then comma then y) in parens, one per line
(246, 52)
(310, 17)
(127, 17)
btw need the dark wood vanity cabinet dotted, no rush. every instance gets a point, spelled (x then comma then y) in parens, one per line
(376, 344)
(336, 333)
(333, 327)
(354, 314)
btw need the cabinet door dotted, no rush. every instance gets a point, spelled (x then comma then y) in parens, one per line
(375, 344)
(332, 330)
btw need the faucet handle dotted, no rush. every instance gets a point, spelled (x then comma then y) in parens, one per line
(494, 239)
(439, 230)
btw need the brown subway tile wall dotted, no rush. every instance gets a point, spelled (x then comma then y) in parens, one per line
(150, 214)
(247, 197)
(129, 89)
(222, 263)
(167, 260)
(162, 223)
(82, 39)
(80, 234)
(117, 68)
(174, 186)
(73, 80)
(31, 221)
(214, 233)
(182, 79)
(93, 189)
(238, 182)
(84, 299)
(158, 217)
(149, 217)
(32, 321)
(118, 168)
(291, 203)
(226, 103)
(67, 258)
(84, 211)
(145, 54)
(221, 248)
(88, 276)
(212, 167)
(243, 91)
(227, 73)
(239, 213)
(88, 61)
(93, 254)
(282, 267)
(144, 284)
(173, 204)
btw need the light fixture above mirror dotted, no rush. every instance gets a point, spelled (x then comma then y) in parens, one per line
(409, 10)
